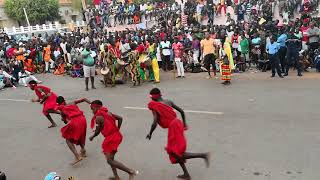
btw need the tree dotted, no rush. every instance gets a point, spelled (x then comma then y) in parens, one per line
(79, 4)
(38, 11)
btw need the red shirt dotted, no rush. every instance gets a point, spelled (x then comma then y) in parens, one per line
(304, 30)
(162, 35)
(141, 48)
(177, 48)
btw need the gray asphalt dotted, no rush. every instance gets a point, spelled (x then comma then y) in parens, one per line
(269, 130)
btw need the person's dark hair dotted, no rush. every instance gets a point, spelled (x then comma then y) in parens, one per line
(155, 91)
(97, 102)
(2, 176)
(33, 82)
(60, 100)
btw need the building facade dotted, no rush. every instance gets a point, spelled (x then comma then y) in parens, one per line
(67, 12)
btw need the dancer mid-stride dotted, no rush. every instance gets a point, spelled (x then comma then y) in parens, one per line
(165, 116)
(105, 123)
(45, 97)
(75, 129)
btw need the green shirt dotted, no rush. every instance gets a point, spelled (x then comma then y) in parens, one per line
(244, 44)
(87, 58)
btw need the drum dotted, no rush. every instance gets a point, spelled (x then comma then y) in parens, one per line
(145, 59)
(121, 62)
(104, 71)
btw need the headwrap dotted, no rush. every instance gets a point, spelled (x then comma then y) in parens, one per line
(32, 85)
(155, 96)
(95, 105)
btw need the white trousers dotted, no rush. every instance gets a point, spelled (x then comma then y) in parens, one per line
(68, 58)
(196, 54)
(51, 62)
(179, 65)
(24, 81)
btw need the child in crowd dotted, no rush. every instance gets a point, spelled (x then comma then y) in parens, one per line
(29, 65)
(59, 66)
(225, 71)
(77, 70)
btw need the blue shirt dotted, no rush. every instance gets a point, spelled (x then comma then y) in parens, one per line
(273, 48)
(282, 40)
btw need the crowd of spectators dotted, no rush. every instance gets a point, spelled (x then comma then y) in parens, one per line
(244, 40)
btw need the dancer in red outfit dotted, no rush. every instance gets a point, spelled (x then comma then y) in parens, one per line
(76, 129)
(47, 98)
(165, 116)
(105, 123)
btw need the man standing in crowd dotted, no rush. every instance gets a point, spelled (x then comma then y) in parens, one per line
(294, 46)
(283, 49)
(208, 49)
(47, 58)
(89, 69)
(165, 46)
(313, 34)
(177, 48)
(273, 52)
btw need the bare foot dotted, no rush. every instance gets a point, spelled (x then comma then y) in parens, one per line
(132, 174)
(93, 87)
(76, 161)
(184, 176)
(52, 126)
(207, 159)
(114, 178)
(83, 153)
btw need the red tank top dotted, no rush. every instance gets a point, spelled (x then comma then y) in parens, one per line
(109, 125)
(70, 111)
(45, 89)
(166, 113)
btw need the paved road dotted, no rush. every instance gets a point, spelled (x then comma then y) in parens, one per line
(269, 130)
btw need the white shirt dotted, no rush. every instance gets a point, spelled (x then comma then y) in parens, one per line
(56, 53)
(64, 47)
(124, 48)
(25, 74)
(143, 7)
(6, 74)
(199, 8)
(165, 46)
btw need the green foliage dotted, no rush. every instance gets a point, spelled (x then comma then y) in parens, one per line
(77, 4)
(145, 1)
(38, 11)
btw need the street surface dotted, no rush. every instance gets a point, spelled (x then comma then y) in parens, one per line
(256, 129)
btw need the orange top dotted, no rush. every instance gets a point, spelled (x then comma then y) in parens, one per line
(47, 53)
(20, 57)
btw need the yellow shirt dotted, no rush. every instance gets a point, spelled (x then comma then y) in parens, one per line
(149, 7)
(208, 46)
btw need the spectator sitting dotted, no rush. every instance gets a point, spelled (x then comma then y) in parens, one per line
(25, 76)
(59, 67)
(29, 65)
(77, 70)
(6, 80)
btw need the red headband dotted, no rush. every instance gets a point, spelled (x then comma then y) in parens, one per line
(155, 96)
(95, 106)
(32, 85)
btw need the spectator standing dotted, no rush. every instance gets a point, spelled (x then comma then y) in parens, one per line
(88, 67)
(208, 54)
(244, 49)
(177, 48)
(283, 49)
(165, 47)
(313, 34)
(294, 46)
(272, 50)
